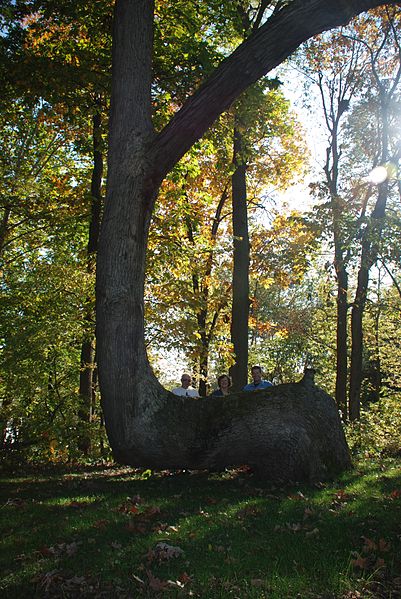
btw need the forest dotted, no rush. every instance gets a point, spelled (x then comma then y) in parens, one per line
(274, 240)
(197, 187)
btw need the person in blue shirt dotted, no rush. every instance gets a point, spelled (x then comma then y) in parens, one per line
(258, 382)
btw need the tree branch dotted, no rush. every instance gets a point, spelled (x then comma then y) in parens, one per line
(265, 49)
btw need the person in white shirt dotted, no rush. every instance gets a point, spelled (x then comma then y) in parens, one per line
(186, 388)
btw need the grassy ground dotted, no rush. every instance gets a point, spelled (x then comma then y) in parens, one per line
(115, 532)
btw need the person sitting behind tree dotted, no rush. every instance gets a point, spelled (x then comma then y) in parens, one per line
(186, 388)
(224, 384)
(258, 382)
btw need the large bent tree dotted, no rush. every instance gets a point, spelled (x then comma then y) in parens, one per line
(146, 424)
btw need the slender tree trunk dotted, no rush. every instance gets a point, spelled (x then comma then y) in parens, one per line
(370, 251)
(342, 328)
(369, 254)
(342, 344)
(4, 226)
(203, 362)
(339, 262)
(86, 377)
(240, 281)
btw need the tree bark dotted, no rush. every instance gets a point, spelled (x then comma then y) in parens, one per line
(370, 247)
(240, 281)
(88, 349)
(290, 432)
(370, 251)
(143, 420)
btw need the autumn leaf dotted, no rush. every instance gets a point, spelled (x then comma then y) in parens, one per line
(384, 545)
(369, 545)
(139, 527)
(155, 583)
(360, 562)
(164, 552)
(380, 563)
(102, 523)
(312, 533)
(185, 578)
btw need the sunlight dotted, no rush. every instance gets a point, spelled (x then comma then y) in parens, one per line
(378, 175)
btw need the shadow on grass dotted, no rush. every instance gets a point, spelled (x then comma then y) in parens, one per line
(240, 536)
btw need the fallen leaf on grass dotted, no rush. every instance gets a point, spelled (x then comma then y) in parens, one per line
(116, 545)
(139, 527)
(164, 552)
(298, 496)
(151, 511)
(384, 545)
(155, 583)
(360, 562)
(101, 523)
(185, 578)
(248, 511)
(380, 563)
(308, 512)
(312, 533)
(369, 545)
(60, 549)
(396, 494)
(47, 579)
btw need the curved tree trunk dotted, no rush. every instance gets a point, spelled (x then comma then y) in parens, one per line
(145, 423)
(290, 432)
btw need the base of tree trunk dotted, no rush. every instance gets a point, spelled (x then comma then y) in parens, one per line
(289, 432)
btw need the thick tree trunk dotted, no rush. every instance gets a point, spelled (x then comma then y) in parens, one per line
(240, 284)
(286, 433)
(146, 424)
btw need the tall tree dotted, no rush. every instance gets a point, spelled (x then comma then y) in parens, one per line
(337, 80)
(138, 411)
(384, 94)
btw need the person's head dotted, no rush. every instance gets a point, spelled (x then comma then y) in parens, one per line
(256, 372)
(224, 381)
(186, 380)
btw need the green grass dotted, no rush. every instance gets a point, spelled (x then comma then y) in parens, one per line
(93, 533)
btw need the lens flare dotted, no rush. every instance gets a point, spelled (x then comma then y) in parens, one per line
(378, 175)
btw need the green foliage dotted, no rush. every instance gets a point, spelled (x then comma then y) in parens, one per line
(42, 306)
(378, 433)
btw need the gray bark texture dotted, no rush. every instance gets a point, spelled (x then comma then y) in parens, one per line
(291, 432)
